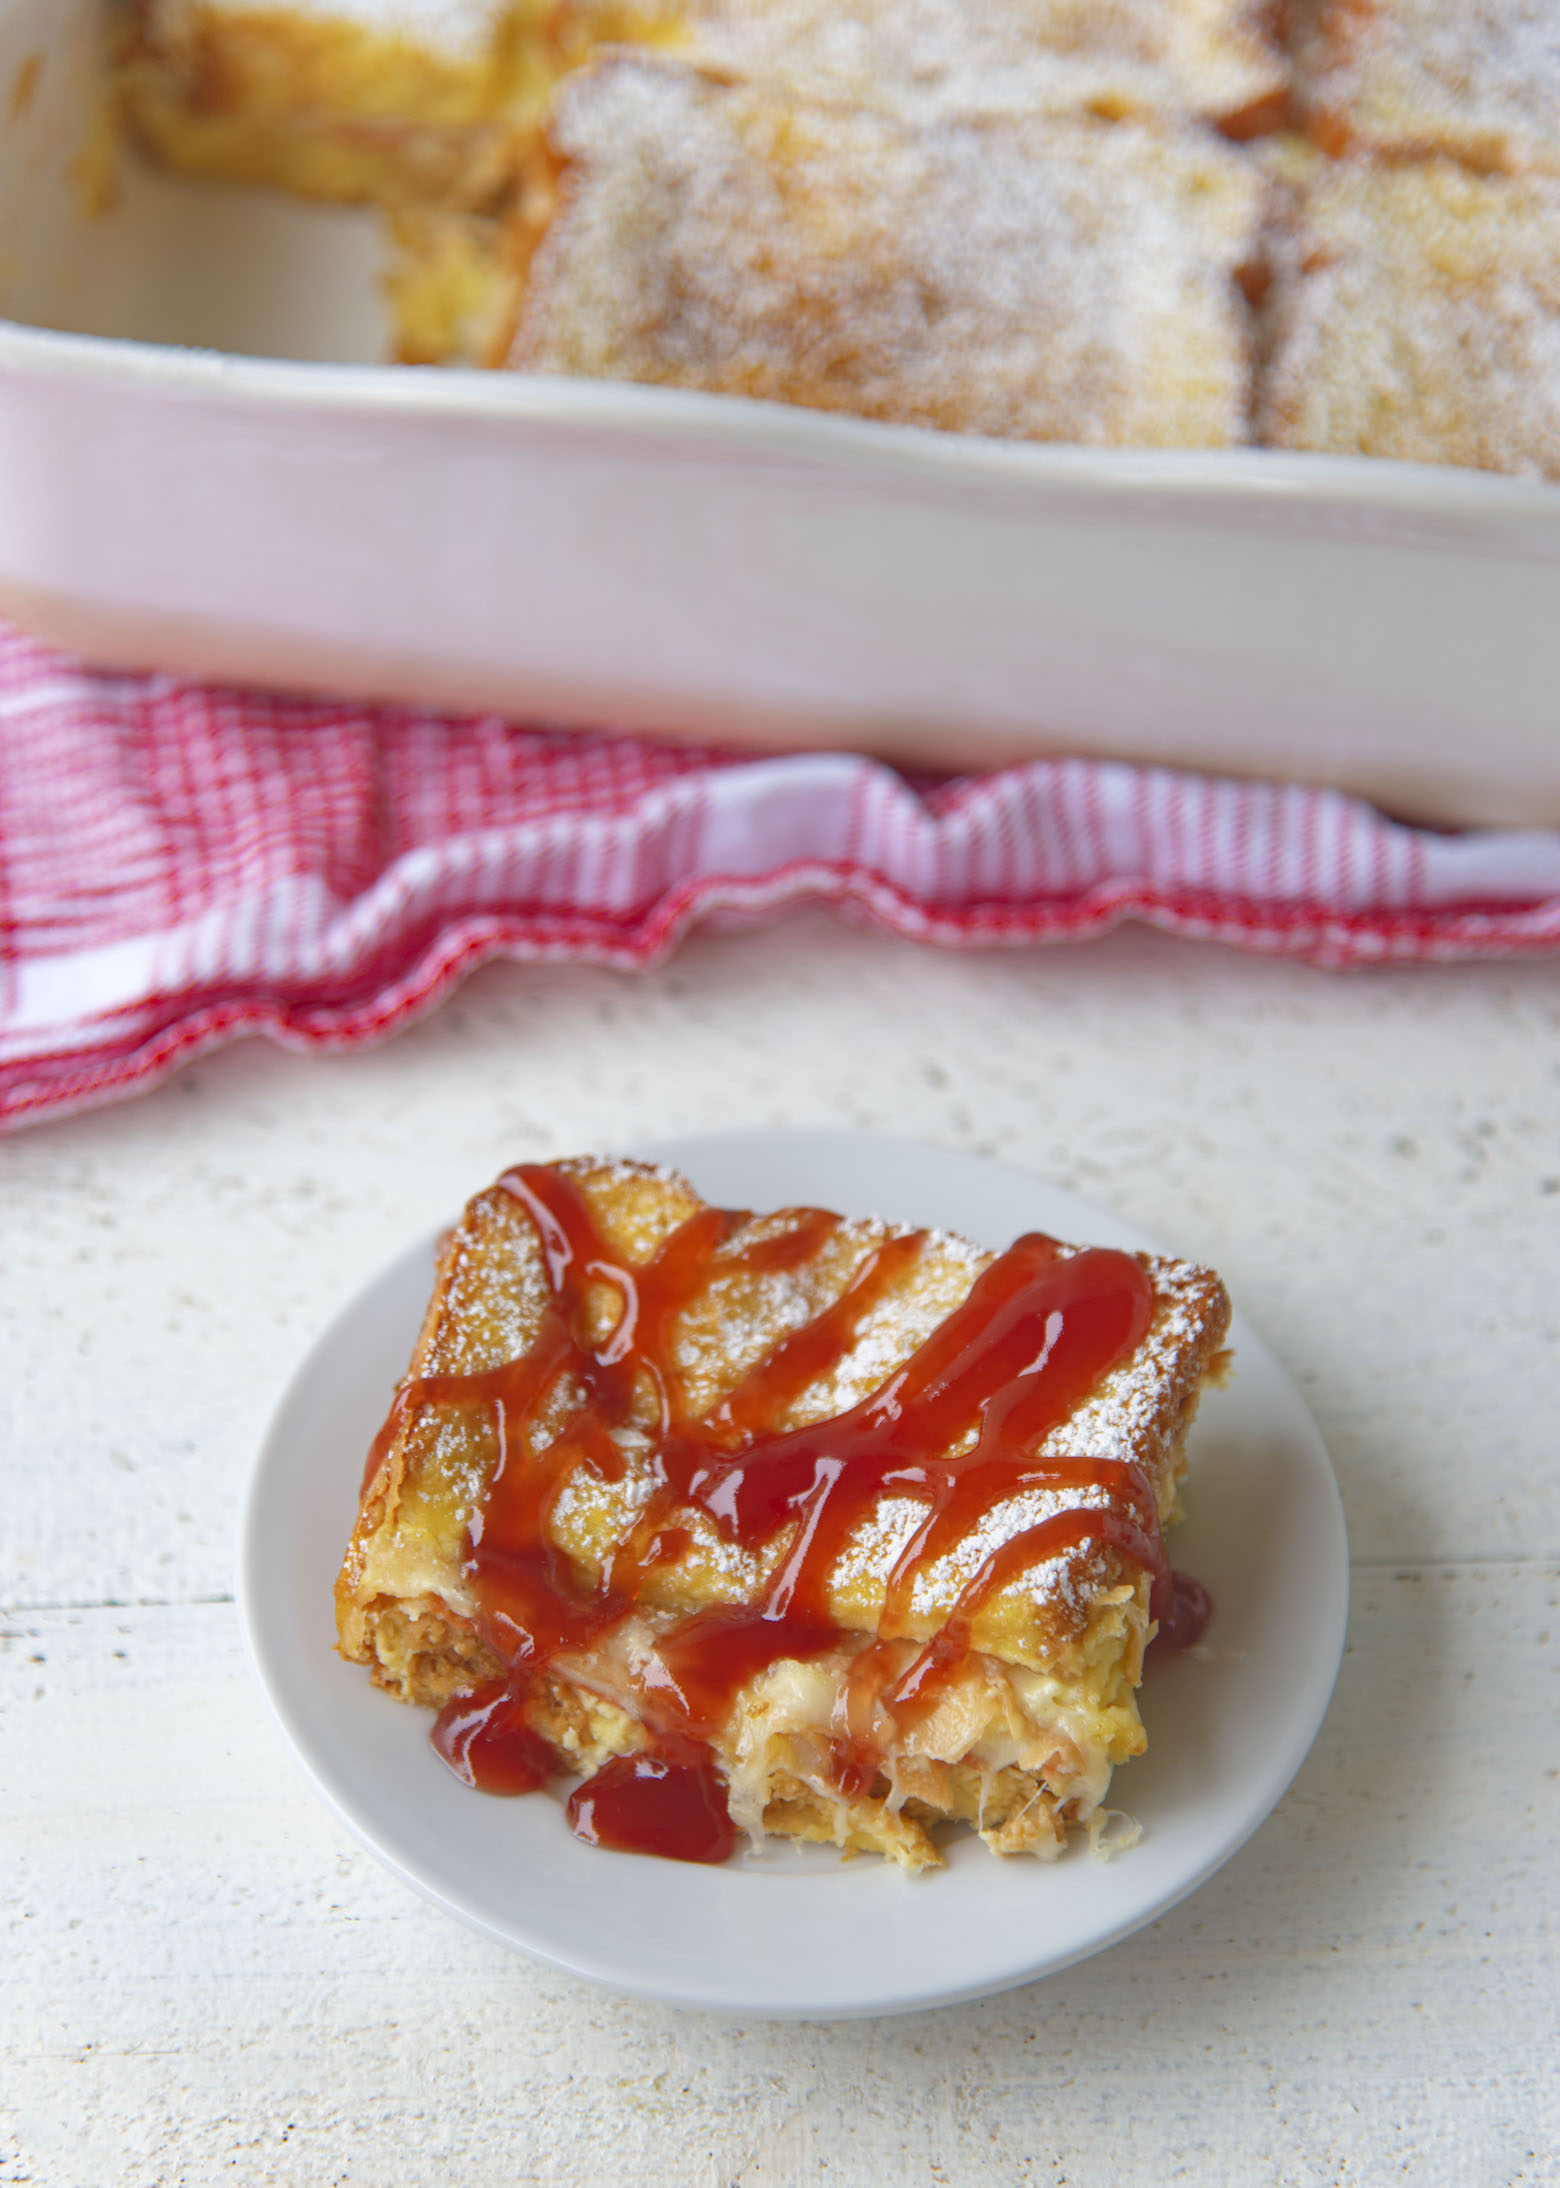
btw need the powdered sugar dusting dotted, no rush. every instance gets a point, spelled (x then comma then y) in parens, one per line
(1041, 277)
(996, 56)
(1417, 315)
(1476, 78)
(619, 1169)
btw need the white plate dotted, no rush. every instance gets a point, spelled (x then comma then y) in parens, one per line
(797, 1932)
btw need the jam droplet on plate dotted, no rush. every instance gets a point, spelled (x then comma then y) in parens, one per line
(667, 1800)
(1183, 1608)
(486, 1741)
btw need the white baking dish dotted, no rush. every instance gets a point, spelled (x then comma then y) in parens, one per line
(301, 516)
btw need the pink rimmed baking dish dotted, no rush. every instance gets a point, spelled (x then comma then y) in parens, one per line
(202, 469)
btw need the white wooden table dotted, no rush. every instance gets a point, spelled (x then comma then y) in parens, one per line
(203, 1978)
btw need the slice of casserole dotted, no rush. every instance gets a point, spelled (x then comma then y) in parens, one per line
(1046, 278)
(391, 101)
(1416, 314)
(779, 1523)
(1476, 80)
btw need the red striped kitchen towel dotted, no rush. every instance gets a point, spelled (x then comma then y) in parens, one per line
(179, 865)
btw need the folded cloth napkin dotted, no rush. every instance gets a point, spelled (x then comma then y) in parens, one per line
(179, 865)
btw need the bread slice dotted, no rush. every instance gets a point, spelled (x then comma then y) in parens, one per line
(385, 101)
(862, 1522)
(1212, 59)
(1046, 278)
(1473, 80)
(1416, 314)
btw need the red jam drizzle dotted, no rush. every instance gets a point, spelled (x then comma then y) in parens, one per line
(1035, 1337)
(485, 1739)
(1183, 1608)
(666, 1800)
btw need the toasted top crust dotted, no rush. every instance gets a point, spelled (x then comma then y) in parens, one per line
(1042, 278)
(1476, 79)
(493, 1291)
(920, 57)
(1417, 315)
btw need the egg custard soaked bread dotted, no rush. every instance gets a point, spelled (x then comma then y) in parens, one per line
(1416, 314)
(785, 1523)
(1473, 80)
(1040, 277)
(1041, 219)
(429, 109)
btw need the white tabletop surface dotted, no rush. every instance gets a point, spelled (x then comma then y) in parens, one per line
(205, 1979)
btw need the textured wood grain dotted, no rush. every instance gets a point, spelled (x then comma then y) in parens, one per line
(205, 1980)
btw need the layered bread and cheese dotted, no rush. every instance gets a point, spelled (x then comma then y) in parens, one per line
(785, 1523)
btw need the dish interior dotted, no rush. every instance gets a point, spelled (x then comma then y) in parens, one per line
(91, 243)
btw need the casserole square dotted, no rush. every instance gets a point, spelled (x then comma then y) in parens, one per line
(1416, 314)
(869, 1518)
(1473, 80)
(1037, 277)
(388, 101)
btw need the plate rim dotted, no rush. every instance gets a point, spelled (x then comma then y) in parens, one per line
(676, 1149)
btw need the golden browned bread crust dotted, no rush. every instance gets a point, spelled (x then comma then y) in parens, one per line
(1214, 59)
(412, 102)
(1039, 277)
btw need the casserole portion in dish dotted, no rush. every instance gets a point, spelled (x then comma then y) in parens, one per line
(1129, 223)
(391, 98)
(1417, 315)
(1037, 278)
(1473, 80)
